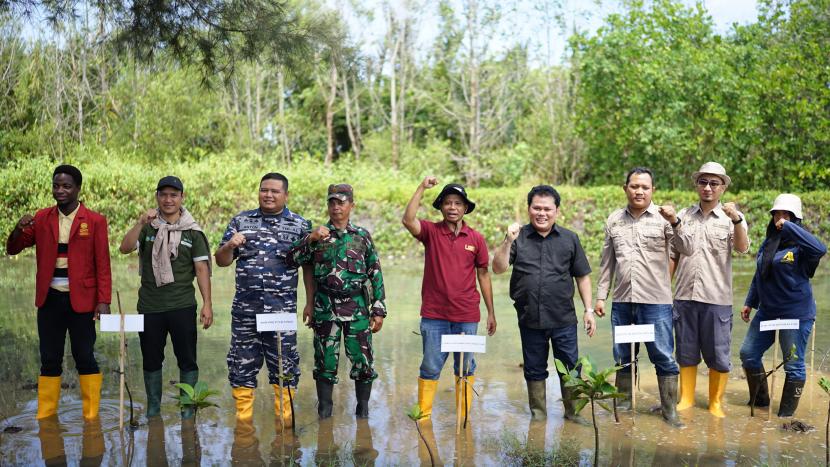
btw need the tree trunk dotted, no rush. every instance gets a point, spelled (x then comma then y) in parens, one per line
(393, 97)
(330, 114)
(353, 137)
(286, 148)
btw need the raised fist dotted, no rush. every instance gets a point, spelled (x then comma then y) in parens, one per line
(26, 221)
(236, 240)
(513, 231)
(429, 182)
(147, 217)
(730, 210)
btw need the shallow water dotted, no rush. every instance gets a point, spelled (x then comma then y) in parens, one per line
(388, 437)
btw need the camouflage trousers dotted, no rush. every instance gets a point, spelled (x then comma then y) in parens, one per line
(249, 348)
(357, 338)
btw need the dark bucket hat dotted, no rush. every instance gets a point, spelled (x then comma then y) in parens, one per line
(454, 189)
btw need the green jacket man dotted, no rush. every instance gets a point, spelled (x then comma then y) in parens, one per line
(348, 299)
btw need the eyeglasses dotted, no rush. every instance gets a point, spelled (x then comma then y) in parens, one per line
(702, 182)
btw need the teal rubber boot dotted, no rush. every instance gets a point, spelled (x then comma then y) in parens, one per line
(189, 377)
(152, 385)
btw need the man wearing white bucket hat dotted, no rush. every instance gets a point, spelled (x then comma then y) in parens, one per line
(780, 289)
(704, 236)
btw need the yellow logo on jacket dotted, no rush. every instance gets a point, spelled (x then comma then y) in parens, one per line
(788, 258)
(83, 229)
(470, 247)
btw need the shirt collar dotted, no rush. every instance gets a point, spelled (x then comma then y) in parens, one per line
(529, 230)
(651, 209)
(71, 214)
(258, 213)
(718, 211)
(349, 227)
(445, 229)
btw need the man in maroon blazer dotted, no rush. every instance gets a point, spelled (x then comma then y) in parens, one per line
(73, 286)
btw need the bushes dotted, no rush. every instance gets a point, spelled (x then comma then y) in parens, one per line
(220, 185)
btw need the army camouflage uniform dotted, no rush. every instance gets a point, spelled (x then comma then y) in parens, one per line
(265, 283)
(348, 290)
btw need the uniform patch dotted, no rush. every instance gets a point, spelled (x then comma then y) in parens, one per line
(469, 247)
(250, 223)
(788, 258)
(83, 229)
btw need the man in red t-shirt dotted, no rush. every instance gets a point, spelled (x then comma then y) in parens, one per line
(454, 256)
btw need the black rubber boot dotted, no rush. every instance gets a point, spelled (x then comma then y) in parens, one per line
(756, 380)
(324, 403)
(363, 391)
(536, 396)
(668, 399)
(570, 408)
(790, 397)
(152, 386)
(623, 383)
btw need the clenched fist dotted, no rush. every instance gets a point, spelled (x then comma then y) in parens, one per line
(26, 221)
(513, 231)
(236, 240)
(730, 210)
(429, 182)
(320, 233)
(780, 223)
(668, 213)
(147, 217)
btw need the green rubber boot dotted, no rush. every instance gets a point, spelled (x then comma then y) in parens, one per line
(189, 377)
(152, 385)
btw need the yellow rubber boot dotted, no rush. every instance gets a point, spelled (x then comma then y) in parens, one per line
(426, 394)
(717, 386)
(91, 394)
(244, 403)
(48, 394)
(688, 380)
(465, 405)
(285, 409)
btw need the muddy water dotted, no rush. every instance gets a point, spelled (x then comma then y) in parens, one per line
(388, 437)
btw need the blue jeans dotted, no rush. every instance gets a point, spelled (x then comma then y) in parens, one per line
(434, 359)
(660, 351)
(757, 342)
(536, 344)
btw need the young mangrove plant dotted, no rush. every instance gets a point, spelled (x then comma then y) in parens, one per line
(195, 397)
(825, 384)
(415, 415)
(589, 386)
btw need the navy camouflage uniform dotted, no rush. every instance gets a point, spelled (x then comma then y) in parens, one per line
(348, 290)
(265, 283)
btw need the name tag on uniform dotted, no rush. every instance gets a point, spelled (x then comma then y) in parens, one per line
(775, 324)
(463, 343)
(269, 322)
(112, 323)
(633, 333)
(250, 223)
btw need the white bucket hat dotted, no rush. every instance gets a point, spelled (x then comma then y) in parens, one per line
(787, 202)
(712, 168)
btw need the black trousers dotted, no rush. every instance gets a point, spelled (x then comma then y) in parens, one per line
(54, 319)
(181, 325)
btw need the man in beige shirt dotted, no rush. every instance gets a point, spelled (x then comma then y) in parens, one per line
(636, 256)
(705, 235)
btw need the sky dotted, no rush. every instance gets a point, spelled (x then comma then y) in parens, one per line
(527, 23)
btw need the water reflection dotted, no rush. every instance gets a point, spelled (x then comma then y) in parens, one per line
(388, 437)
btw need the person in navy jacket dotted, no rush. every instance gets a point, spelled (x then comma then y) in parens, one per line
(781, 289)
(72, 287)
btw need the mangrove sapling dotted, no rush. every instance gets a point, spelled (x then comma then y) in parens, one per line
(195, 397)
(825, 384)
(753, 397)
(587, 385)
(415, 415)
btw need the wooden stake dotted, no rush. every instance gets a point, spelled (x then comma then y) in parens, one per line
(633, 384)
(772, 383)
(813, 353)
(462, 395)
(282, 381)
(121, 351)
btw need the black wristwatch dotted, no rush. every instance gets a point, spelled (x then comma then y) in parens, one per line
(740, 219)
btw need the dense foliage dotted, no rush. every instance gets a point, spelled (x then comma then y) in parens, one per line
(656, 85)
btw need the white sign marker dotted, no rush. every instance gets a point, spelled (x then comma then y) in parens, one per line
(268, 322)
(634, 333)
(112, 323)
(774, 324)
(463, 343)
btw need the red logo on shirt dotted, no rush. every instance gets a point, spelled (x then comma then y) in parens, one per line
(470, 248)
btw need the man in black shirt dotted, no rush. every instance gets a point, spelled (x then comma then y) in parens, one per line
(546, 259)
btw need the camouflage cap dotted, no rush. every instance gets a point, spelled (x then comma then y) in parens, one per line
(341, 191)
